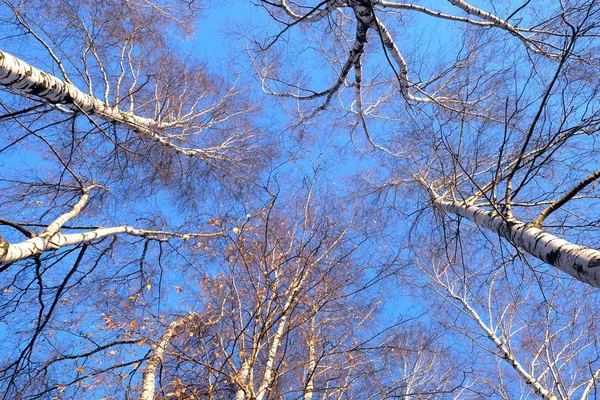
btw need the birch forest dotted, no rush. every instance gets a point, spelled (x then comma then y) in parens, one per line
(299, 200)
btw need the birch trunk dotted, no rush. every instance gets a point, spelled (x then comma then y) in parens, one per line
(35, 246)
(149, 375)
(243, 379)
(269, 370)
(19, 75)
(312, 363)
(581, 262)
(52, 239)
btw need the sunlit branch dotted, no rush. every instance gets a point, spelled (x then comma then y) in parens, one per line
(469, 9)
(158, 354)
(578, 261)
(564, 199)
(315, 16)
(19, 75)
(503, 348)
(433, 13)
(52, 239)
(405, 84)
(591, 384)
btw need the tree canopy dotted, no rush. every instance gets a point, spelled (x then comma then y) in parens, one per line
(299, 200)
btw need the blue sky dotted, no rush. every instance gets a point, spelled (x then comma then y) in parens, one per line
(344, 158)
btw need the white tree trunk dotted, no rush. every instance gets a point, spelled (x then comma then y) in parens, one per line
(243, 380)
(149, 375)
(312, 362)
(53, 239)
(581, 262)
(19, 75)
(39, 244)
(269, 370)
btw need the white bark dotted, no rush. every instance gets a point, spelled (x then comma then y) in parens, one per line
(581, 262)
(48, 239)
(39, 244)
(503, 24)
(505, 351)
(19, 75)
(243, 380)
(316, 15)
(312, 363)
(52, 239)
(591, 385)
(158, 354)
(269, 370)
(54, 227)
(433, 13)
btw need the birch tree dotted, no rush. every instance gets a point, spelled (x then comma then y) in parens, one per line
(495, 109)
(526, 339)
(298, 318)
(109, 129)
(109, 100)
(486, 119)
(145, 254)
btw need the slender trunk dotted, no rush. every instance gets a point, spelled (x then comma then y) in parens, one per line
(37, 245)
(581, 262)
(158, 354)
(312, 363)
(19, 75)
(269, 374)
(269, 370)
(243, 379)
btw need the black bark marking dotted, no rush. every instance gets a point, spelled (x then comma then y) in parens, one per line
(12, 82)
(553, 256)
(36, 89)
(539, 236)
(580, 269)
(67, 99)
(595, 263)
(511, 222)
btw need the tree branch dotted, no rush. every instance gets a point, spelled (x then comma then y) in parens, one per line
(563, 200)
